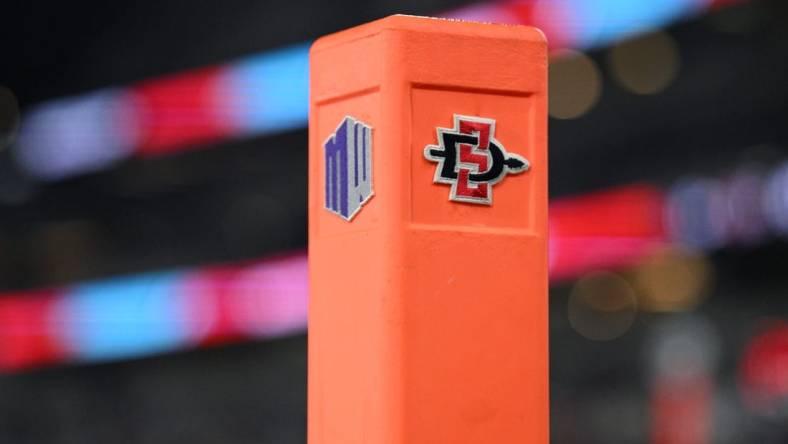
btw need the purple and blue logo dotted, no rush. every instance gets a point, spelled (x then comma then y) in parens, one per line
(348, 168)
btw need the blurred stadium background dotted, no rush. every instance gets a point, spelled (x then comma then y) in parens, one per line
(153, 229)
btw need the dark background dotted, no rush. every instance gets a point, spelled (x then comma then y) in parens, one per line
(728, 107)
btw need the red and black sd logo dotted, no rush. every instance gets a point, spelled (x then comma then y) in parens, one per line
(471, 160)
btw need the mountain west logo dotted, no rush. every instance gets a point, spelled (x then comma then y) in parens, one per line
(348, 164)
(471, 160)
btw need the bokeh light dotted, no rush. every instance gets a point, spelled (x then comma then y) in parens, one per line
(673, 279)
(646, 64)
(602, 306)
(696, 213)
(763, 373)
(84, 133)
(775, 200)
(575, 84)
(683, 348)
(746, 222)
(683, 356)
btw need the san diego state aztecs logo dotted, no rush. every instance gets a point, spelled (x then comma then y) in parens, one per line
(471, 160)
